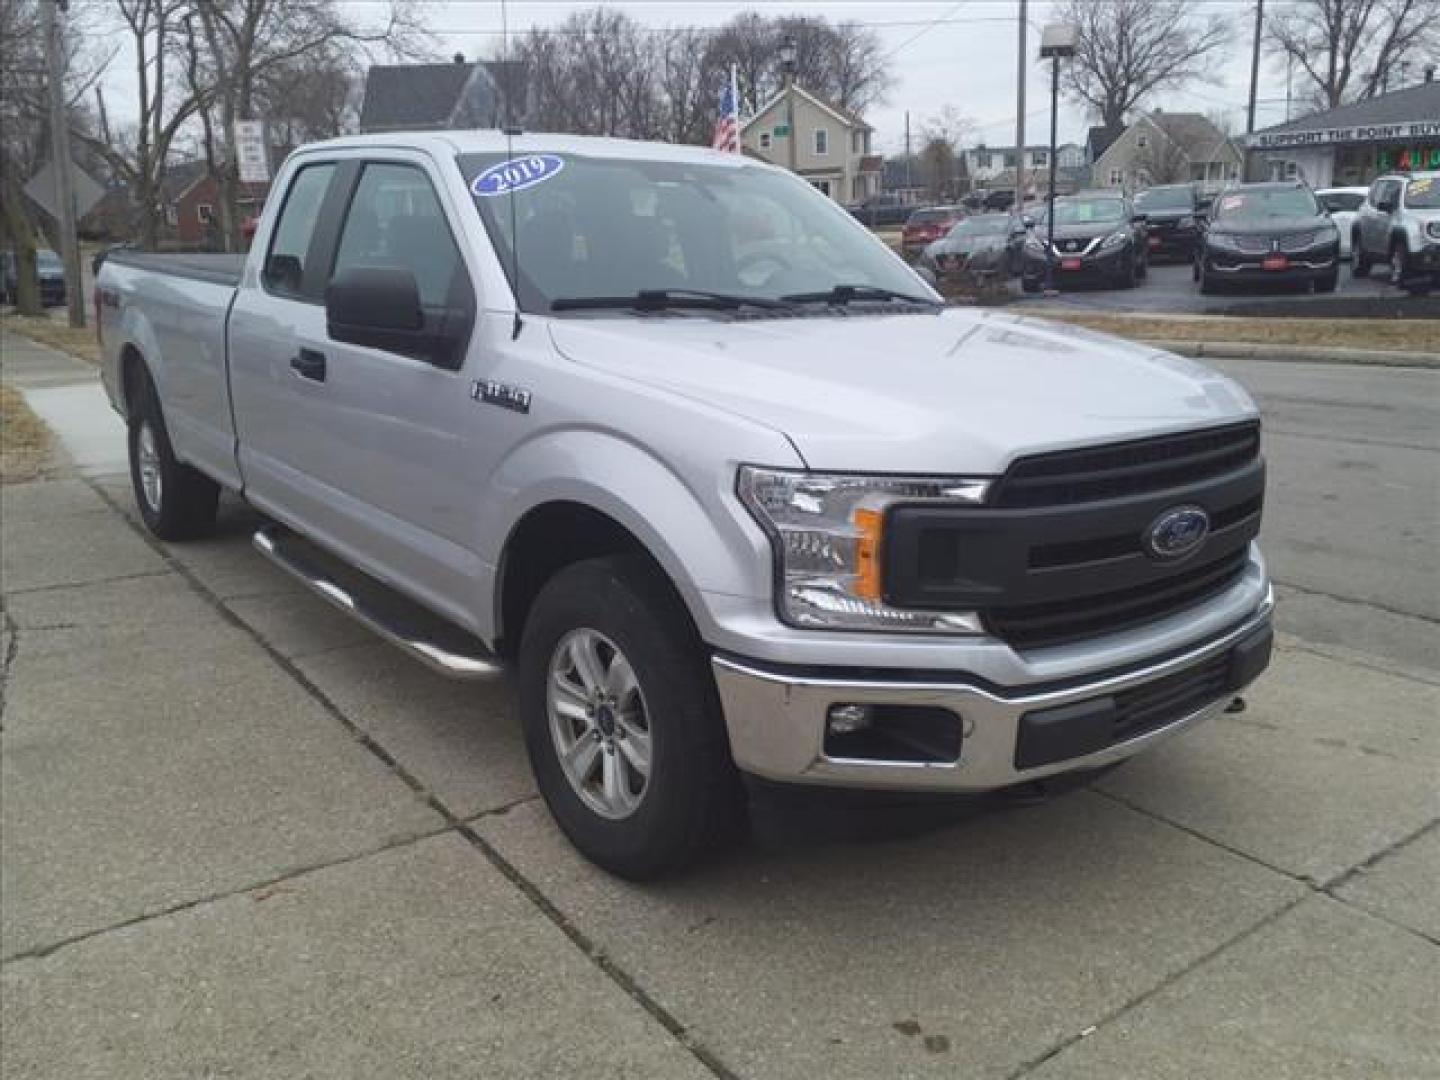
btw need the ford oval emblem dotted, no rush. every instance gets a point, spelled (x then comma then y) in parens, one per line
(1177, 532)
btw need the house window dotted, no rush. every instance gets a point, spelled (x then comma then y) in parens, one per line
(1117, 177)
(822, 143)
(1142, 141)
(205, 212)
(822, 186)
(1039, 157)
(1009, 161)
(764, 140)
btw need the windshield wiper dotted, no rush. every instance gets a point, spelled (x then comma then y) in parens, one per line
(661, 299)
(844, 294)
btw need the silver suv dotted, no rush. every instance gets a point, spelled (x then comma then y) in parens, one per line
(1399, 223)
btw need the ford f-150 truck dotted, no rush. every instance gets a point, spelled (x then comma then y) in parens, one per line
(670, 437)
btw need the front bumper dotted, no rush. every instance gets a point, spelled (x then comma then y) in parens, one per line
(777, 719)
(1180, 242)
(1303, 267)
(1101, 265)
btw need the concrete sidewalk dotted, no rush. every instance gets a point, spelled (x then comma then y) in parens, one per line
(242, 838)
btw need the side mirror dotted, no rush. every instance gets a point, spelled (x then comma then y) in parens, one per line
(1028, 221)
(1387, 206)
(379, 307)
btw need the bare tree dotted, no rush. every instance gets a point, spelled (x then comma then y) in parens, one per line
(937, 168)
(748, 42)
(1129, 49)
(1346, 49)
(688, 87)
(248, 42)
(949, 125)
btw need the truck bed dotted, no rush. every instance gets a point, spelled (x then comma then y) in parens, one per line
(223, 269)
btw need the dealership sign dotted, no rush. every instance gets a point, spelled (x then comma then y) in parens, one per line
(1360, 133)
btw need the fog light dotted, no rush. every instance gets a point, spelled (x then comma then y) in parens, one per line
(847, 719)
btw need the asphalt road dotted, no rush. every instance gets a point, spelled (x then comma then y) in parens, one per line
(1353, 508)
(1169, 288)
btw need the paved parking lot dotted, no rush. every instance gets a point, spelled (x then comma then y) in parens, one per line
(242, 838)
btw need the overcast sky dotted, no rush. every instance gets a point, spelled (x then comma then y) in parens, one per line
(942, 53)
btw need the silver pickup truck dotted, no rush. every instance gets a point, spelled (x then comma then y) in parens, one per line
(720, 481)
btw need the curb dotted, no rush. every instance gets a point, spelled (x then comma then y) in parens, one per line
(1240, 350)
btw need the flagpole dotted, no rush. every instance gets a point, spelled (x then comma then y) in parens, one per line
(735, 105)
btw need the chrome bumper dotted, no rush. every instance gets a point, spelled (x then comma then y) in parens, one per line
(777, 721)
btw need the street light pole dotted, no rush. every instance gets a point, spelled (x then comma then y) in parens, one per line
(1056, 43)
(787, 64)
(60, 152)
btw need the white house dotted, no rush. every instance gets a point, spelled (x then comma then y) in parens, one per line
(830, 146)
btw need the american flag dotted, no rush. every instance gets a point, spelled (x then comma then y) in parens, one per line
(727, 127)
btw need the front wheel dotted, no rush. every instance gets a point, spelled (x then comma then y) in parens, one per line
(622, 721)
(1399, 263)
(176, 501)
(1328, 282)
(1359, 261)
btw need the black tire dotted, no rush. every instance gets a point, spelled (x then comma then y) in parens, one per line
(183, 504)
(1207, 283)
(1030, 285)
(1328, 282)
(1359, 261)
(1130, 276)
(690, 800)
(1144, 270)
(1399, 263)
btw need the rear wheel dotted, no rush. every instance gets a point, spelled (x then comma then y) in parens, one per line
(1359, 261)
(622, 722)
(1399, 262)
(1328, 282)
(1030, 285)
(176, 502)
(1207, 282)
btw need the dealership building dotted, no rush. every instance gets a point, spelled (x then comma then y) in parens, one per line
(1351, 145)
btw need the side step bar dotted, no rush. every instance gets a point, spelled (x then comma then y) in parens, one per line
(435, 642)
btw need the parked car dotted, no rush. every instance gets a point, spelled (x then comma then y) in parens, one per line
(1399, 222)
(1266, 234)
(720, 509)
(926, 225)
(882, 211)
(1099, 238)
(1343, 205)
(1172, 218)
(1000, 199)
(49, 273)
(978, 244)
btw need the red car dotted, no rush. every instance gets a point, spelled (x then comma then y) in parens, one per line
(925, 226)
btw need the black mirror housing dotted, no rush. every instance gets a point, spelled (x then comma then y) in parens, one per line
(372, 299)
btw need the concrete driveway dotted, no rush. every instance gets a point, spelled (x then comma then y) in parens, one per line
(242, 838)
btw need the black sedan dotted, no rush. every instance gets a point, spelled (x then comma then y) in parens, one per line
(976, 245)
(1268, 234)
(1172, 215)
(1098, 239)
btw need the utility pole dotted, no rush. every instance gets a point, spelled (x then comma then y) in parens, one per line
(908, 184)
(1255, 66)
(60, 151)
(1020, 62)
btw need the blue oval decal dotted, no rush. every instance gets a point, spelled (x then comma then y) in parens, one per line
(517, 174)
(1178, 532)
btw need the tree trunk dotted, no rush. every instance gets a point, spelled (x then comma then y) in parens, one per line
(22, 239)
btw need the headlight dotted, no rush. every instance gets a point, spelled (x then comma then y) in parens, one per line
(827, 533)
(1115, 239)
(1433, 230)
(1220, 240)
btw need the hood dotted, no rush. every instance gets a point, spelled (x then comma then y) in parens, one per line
(1276, 226)
(957, 391)
(1168, 214)
(1085, 230)
(965, 245)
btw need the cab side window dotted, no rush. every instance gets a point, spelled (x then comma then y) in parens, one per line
(286, 262)
(395, 220)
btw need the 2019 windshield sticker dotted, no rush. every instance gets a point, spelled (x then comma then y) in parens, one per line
(517, 174)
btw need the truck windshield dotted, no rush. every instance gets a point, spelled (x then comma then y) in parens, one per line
(594, 228)
(1165, 198)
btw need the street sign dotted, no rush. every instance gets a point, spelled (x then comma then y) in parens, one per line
(782, 130)
(250, 152)
(42, 188)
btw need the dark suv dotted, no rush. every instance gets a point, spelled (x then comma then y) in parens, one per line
(1268, 234)
(1172, 215)
(1099, 238)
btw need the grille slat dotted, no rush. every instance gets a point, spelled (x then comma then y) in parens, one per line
(1156, 704)
(1120, 469)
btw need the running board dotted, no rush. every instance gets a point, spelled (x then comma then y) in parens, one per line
(435, 642)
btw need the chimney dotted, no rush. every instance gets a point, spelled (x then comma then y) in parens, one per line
(459, 58)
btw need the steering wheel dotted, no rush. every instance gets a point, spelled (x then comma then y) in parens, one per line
(776, 262)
